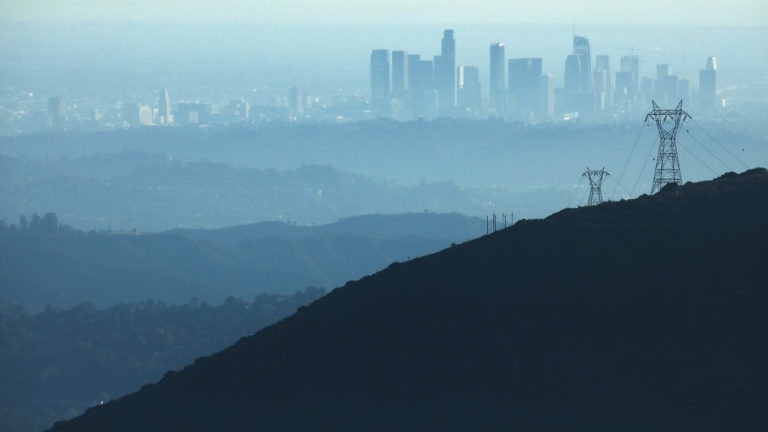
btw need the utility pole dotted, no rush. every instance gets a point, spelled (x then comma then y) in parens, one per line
(667, 163)
(595, 185)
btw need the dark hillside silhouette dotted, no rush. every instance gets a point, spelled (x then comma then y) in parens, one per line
(640, 315)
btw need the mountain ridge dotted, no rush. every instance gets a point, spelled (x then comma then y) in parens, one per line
(636, 315)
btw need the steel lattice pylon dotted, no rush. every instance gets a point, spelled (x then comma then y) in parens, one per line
(667, 163)
(595, 185)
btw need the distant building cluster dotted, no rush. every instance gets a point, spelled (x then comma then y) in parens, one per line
(406, 85)
(403, 86)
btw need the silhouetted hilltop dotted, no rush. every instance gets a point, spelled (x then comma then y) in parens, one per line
(640, 315)
(449, 226)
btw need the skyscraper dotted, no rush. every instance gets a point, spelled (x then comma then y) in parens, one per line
(524, 76)
(603, 71)
(55, 112)
(422, 88)
(400, 73)
(573, 73)
(164, 108)
(296, 102)
(380, 95)
(546, 97)
(708, 84)
(582, 49)
(497, 87)
(631, 65)
(469, 95)
(445, 72)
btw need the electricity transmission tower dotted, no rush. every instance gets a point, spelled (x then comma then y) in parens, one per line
(595, 185)
(667, 164)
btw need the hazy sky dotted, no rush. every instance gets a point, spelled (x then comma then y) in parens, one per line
(689, 12)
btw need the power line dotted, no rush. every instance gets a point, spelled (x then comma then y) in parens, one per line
(700, 161)
(642, 171)
(708, 151)
(626, 164)
(720, 144)
(574, 192)
(618, 186)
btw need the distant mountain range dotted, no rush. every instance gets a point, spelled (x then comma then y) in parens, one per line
(152, 192)
(448, 226)
(640, 315)
(68, 267)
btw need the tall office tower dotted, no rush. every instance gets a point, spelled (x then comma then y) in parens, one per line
(546, 97)
(600, 88)
(130, 113)
(603, 64)
(631, 64)
(665, 85)
(445, 72)
(296, 102)
(573, 73)
(55, 112)
(622, 95)
(380, 95)
(193, 113)
(422, 88)
(469, 95)
(413, 62)
(708, 84)
(497, 87)
(400, 73)
(145, 115)
(524, 76)
(164, 108)
(582, 49)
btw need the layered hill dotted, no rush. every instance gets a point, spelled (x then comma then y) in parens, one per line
(68, 267)
(637, 315)
(448, 226)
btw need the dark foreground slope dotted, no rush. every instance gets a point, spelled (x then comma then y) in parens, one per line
(633, 316)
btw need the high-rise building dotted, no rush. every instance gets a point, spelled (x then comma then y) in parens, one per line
(582, 49)
(422, 88)
(55, 112)
(631, 65)
(400, 73)
(665, 85)
(236, 110)
(413, 62)
(623, 92)
(164, 115)
(468, 80)
(497, 87)
(380, 90)
(573, 73)
(524, 76)
(193, 113)
(708, 84)
(296, 102)
(605, 87)
(445, 71)
(134, 114)
(130, 114)
(546, 97)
